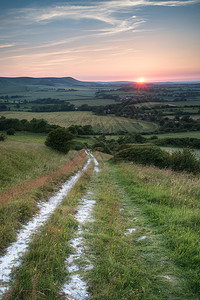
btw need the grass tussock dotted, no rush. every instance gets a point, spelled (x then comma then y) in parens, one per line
(43, 269)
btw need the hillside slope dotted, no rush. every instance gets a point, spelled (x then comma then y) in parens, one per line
(8, 83)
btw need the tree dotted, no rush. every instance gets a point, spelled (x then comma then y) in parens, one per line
(10, 131)
(59, 139)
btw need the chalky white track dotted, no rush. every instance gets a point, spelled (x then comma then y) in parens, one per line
(16, 250)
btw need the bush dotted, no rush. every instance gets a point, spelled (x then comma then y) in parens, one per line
(78, 146)
(132, 138)
(185, 161)
(59, 139)
(150, 155)
(10, 131)
(179, 142)
(146, 155)
(2, 137)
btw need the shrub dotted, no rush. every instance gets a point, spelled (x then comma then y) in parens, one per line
(10, 131)
(132, 138)
(185, 160)
(59, 139)
(2, 137)
(78, 146)
(146, 155)
(150, 155)
(179, 142)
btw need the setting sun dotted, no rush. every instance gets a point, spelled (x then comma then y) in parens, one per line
(140, 80)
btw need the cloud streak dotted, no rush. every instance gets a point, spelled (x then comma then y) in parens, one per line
(101, 11)
(7, 46)
(96, 31)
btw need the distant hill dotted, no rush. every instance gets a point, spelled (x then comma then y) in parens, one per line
(21, 83)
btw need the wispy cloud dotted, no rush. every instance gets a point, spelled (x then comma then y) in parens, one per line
(64, 34)
(115, 16)
(7, 45)
(101, 11)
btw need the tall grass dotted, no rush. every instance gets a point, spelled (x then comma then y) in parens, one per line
(126, 267)
(43, 268)
(20, 162)
(19, 203)
(171, 202)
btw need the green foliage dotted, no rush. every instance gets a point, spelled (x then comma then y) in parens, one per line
(59, 139)
(146, 155)
(81, 130)
(10, 131)
(78, 146)
(35, 125)
(179, 142)
(132, 138)
(2, 137)
(150, 155)
(184, 161)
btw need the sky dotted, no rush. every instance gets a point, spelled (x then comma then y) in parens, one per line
(107, 40)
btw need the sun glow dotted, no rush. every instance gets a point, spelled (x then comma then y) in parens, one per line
(141, 80)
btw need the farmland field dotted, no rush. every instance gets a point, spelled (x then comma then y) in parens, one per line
(190, 134)
(111, 124)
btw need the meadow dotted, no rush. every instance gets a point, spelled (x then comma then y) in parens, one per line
(160, 258)
(110, 123)
(143, 242)
(30, 172)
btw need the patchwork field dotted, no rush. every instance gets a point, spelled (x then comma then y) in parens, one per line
(111, 124)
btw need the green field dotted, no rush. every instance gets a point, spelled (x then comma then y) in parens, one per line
(111, 124)
(190, 134)
(172, 149)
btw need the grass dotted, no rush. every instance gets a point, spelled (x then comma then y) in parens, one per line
(171, 203)
(27, 137)
(111, 124)
(127, 267)
(190, 134)
(28, 177)
(20, 162)
(43, 268)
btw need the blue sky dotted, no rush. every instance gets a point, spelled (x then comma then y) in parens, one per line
(101, 40)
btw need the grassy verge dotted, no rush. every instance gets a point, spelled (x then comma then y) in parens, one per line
(172, 204)
(136, 266)
(43, 269)
(18, 205)
(20, 162)
(27, 137)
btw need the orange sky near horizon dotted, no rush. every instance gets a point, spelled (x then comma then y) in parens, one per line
(102, 41)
